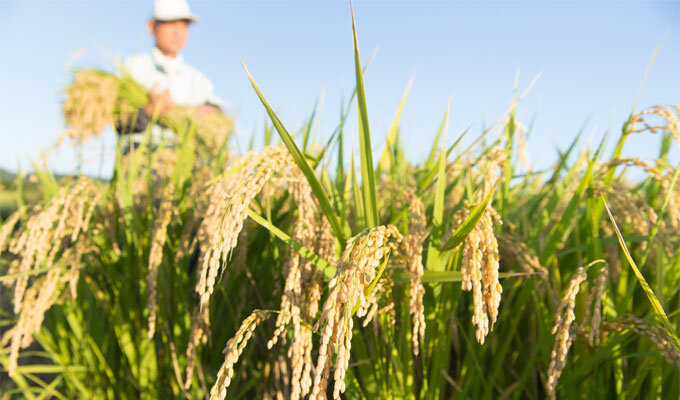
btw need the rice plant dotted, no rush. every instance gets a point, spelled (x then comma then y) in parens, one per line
(276, 274)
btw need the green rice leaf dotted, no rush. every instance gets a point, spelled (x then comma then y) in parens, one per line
(470, 222)
(299, 158)
(365, 149)
(433, 252)
(371, 286)
(656, 305)
(561, 227)
(435, 144)
(457, 276)
(11, 277)
(321, 264)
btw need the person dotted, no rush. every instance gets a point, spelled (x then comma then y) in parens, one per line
(163, 72)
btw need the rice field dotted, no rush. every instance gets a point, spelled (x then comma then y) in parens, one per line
(287, 272)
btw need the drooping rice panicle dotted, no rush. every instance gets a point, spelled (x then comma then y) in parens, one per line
(47, 232)
(198, 334)
(529, 262)
(233, 351)
(302, 290)
(479, 269)
(664, 119)
(414, 255)
(563, 339)
(356, 270)
(656, 335)
(8, 227)
(222, 223)
(594, 306)
(156, 254)
(230, 198)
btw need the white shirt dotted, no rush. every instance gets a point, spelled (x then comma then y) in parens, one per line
(187, 85)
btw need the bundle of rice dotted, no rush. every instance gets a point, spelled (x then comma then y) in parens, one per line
(97, 99)
(89, 105)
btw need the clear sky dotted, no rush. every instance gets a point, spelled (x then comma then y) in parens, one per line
(591, 56)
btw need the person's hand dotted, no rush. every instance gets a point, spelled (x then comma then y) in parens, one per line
(159, 100)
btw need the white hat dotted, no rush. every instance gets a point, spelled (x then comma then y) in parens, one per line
(172, 10)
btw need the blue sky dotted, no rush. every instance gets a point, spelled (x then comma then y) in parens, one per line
(591, 56)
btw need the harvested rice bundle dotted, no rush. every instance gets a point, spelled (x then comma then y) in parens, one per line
(96, 99)
(212, 129)
(89, 105)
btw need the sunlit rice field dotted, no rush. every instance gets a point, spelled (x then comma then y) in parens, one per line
(305, 269)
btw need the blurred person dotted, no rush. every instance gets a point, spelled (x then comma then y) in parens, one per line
(168, 78)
